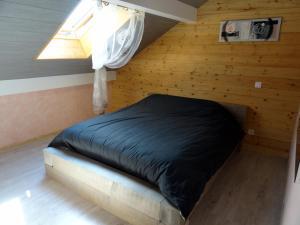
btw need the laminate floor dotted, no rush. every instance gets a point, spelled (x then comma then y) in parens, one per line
(248, 191)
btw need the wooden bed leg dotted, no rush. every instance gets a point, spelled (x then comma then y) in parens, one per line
(187, 222)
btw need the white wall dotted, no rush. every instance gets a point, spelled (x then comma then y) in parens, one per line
(18, 86)
(291, 209)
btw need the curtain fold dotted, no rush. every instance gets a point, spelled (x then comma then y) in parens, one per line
(100, 96)
(116, 36)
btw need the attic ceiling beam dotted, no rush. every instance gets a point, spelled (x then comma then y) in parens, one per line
(171, 9)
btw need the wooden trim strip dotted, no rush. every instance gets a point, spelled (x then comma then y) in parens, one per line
(11, 87)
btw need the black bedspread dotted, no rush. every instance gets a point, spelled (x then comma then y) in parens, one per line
(174, 143)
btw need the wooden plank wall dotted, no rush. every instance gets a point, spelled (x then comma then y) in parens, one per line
(189, 61)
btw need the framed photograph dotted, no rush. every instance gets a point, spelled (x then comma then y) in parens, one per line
(250, 30)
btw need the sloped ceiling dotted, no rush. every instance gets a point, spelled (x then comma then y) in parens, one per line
(27, 25)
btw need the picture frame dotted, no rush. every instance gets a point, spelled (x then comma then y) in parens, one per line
(267, 29)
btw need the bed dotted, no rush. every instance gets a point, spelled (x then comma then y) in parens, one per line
(148, 163)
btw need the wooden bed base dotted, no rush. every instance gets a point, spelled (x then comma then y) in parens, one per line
(125, 196)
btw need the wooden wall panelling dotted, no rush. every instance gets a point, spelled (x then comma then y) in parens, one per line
(189, 61)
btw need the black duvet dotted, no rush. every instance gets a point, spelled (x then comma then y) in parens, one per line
(174, 143)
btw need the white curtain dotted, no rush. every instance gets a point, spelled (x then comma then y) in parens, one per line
(116, 35)
(100, 97)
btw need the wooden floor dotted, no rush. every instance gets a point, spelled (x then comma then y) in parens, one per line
(248, 191)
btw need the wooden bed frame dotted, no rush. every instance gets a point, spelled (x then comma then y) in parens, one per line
(125, 196)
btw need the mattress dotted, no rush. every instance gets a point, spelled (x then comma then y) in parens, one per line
(173, 143)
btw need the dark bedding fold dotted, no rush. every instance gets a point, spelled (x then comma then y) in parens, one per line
(174, 143)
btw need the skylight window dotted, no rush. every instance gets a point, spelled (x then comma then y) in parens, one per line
(78, 22)
(73, 39)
